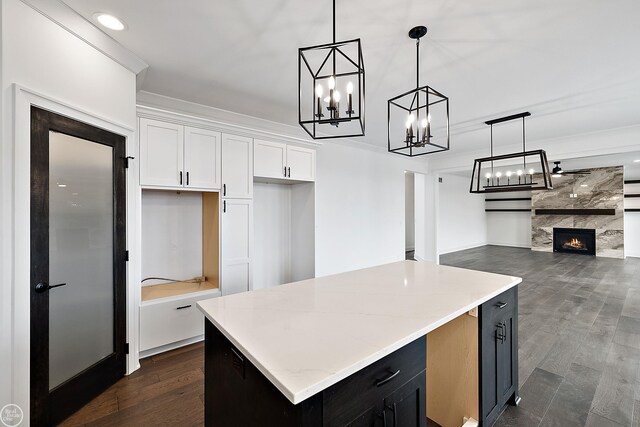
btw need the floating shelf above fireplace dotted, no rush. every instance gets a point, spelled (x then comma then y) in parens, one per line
(575, 211)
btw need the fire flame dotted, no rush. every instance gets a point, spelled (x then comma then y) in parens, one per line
(574, 243)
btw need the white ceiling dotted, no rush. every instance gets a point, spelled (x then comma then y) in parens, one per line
(572, 63)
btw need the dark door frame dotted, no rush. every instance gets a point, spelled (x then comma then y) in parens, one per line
(50, 407)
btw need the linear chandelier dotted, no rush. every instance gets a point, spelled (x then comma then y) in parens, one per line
(324, 71)
(418, 120)
(520, 171)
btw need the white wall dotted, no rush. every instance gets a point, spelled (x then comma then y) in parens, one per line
(461, 216)
(42, 56)
(271, 235)
(632, 219)
(175, 251)
(359, 206)
(509, 229)
(409, 214)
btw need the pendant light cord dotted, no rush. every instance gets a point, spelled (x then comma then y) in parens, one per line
(417, 63)
(334, 21)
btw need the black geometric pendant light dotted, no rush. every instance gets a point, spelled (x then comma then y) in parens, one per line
(331, 88)
(520, 171)
(418, 120)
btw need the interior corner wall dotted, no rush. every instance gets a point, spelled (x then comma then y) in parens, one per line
(5, 245)
(359, 206)
(40, 55)
(409, 212)
(462, 220)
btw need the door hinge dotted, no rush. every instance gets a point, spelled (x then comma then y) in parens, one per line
(126, 255)
(126, 161)
(126, 348)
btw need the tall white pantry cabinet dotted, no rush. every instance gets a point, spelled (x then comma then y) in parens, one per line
(197, 183)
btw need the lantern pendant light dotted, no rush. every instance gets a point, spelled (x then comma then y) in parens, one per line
(418, 120)
(520, 171)
(325, 72)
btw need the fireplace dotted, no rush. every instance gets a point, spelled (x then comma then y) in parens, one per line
(574, 240)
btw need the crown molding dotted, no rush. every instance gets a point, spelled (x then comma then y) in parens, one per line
(67, 18)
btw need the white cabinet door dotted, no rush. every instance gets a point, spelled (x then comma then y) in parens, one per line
(301, 163)
(161, 151)
(202, 159)
(237, 232)
(237, 165)
(269, 159)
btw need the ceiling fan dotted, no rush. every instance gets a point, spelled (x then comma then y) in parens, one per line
(558, 172)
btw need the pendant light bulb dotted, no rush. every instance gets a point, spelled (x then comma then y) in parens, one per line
(349, 88)
(508, 173)
(424, 123)
(331, 83)
(319, 90)
(429, 117)
(519, 173)
(327, 99)
(488, 175)
(336, 96)
(498, 174)
(531, 171)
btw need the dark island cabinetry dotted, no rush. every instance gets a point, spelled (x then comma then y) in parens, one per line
(389, 392)
(498, 355)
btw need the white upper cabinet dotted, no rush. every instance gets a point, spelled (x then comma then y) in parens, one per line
(177, 156)
(283, 162)
(161, 153)
(301, 163)
(202, 158)
(269, 159)
(237, 167)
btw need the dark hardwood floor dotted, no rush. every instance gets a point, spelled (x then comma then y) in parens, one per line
(579, 350)
(167, 390)
(579, 332)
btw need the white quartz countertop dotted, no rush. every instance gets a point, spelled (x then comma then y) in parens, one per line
(306, 336)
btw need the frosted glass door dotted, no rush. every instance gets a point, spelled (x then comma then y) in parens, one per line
(81, 313)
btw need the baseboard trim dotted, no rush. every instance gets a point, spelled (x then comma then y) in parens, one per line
(463, 248)
(172, 346)
(510, 245)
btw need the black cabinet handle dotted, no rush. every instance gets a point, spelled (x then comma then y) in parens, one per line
(224, 189)
(187, 178)
(502, 304)
(44, 287)
(224, 206)
(285, 171)
(387, 379)
(180, 177)
(395, 421)
(183, 307)
(289, 169)
(383, 415)
(501, 333)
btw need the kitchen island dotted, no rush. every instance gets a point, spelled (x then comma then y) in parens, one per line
(387, 345)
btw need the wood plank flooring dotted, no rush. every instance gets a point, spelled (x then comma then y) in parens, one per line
(167, 390)
(579, 335)
(579, 350)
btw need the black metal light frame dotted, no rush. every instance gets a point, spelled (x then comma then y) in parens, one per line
(432, 97)
(320, 117)
(526, 182)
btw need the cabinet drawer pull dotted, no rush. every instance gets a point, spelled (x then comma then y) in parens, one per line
(182, 307)
(224, 189)
(224, 206)
(187, 178)
(285, 171)
(289, 172)
(501, 304)
(387, 379)
(180, 177)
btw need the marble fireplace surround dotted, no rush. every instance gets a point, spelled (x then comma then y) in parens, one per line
(602, 188)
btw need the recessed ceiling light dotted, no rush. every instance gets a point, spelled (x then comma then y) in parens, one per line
(109, 21)
(584, 185)
(636, 161)
(62, 185)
